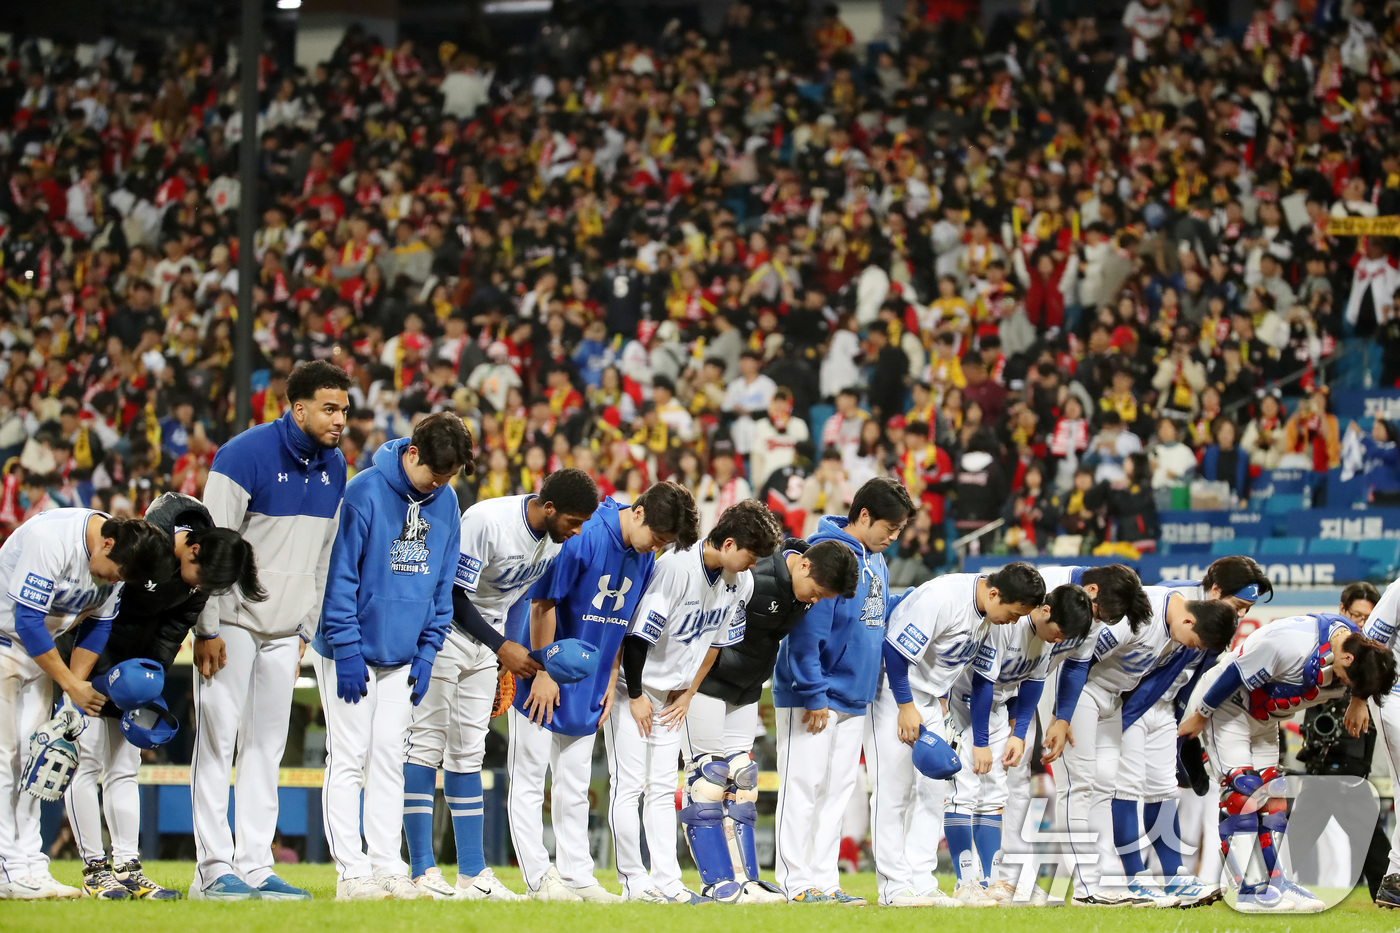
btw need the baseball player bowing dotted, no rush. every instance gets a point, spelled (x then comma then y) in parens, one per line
(507, 544)
(279, 485)
(933, 633)
(590, 593)
(721, 793)
(1283, 667)
(152, 623)
(1116, 593)
(387, 609)
(1123, 658)
(61, 569)
(693, 606)
(823, 682)
(1381, 626)
(990, 707)
(1147, 777)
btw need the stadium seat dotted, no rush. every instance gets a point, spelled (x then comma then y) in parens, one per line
(1383, 555)
(1228, 547)
(816, 420)
(1282, 547)
(1330, 546)
(1283, 505)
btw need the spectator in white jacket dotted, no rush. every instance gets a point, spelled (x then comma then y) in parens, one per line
(775, 439)
(1173, 463)
(465, 88)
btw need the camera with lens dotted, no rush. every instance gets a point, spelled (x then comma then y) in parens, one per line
(1327, 746)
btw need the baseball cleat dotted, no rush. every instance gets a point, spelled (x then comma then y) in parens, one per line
(433, 886)
(1388, 895)
(553, 888)
(360, 889)
(1192, 892)
(399, 887)
(486, 887)
(907, 898)
(20, 890)
(49, 886)
(101, 885)
(1262, 899)
(689, 897)
(1111, 899)
(724, 892)
(847, 900)
(1006, 895)
(1145, 886)
(812, 896)
(972, 894)
(595, 893)
(141, 887)
(650, 896)
(1303, 900)
(230, 887)
(275, 889)
(761, 892)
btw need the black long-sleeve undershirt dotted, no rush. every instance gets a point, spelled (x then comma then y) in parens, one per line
(634, 660)
(468, 619)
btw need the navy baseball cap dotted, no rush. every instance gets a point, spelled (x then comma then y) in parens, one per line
(132, 684)
(934, 758)
(568, 660)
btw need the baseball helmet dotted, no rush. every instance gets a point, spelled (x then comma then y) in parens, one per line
(150, 726)
(132, 684)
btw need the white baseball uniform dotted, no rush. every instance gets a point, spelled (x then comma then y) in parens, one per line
(936, 628)
(1122, 659)
(1382, 626)
(501, 556)
(687, 609)
(107, 762)
(43, 569)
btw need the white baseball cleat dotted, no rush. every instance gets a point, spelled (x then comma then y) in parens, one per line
(399, 887)
(1145, 886)
(21, 889)
(650, 896)
(486, 887)
(1006, 895)
(760, 892)
(1192, 891)
(908, 898)
(1303, 900)
(553, 888)
(972, 894)
(52, 887)
(360, 889)
(432, 885)
(595, 894)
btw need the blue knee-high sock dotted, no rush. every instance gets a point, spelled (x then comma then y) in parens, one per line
(986, 834)
(463, 792)
(1272, 827)
(957, 829)
(1127, 836)
(419, 785)
(1161, 820)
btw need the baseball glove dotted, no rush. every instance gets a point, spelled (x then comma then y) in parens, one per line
(505, 693)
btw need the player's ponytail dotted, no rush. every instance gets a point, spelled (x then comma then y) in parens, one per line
(225, 560)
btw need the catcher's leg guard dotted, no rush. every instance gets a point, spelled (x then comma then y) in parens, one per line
(1239, 820)
(743, 810)
(1273, 820)
(703, 818)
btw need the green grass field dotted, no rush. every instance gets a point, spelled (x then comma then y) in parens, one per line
(323, 914)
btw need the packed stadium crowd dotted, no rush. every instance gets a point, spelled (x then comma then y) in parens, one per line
(1046, 268)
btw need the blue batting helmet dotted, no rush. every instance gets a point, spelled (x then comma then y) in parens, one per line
(151, 725)
(132, 684)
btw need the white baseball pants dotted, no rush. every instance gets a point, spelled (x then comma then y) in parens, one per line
(364, 752)
(906, 808)
(25, 698)
(449, 726)
(643, 769)
(816, 774)
(1388, 717)
(1091, 770)
(715, 727)
(1147, 759)
(979, 793)
(534, 750)
(106, 761)
(245, 706)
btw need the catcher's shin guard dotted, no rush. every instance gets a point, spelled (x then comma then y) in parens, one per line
(743, 811)
(1239, 820)
(703, 818)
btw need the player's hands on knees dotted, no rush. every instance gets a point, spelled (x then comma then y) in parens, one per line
(1015, 748)
(1192, 726)
(815, 719)
(675, 712)
(543, 699)
(210, 656)
(515, 658)
(642, 711)
(909, 722)
(1358, 718)
(86, 698)
(981, 759)
(1056, 738)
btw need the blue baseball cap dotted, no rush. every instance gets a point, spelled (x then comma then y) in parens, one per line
(568, 660)
(132, 684)
(934, 758)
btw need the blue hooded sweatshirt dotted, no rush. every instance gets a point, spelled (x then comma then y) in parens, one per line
(389, 593)
(832, 659)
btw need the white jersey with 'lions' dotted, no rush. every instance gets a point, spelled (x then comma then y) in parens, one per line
(501, 556)
(687, 609)
(44, 567)
(1123, 658)
(1008, 656)
(937, 628)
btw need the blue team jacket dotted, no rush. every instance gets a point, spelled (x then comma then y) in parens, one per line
(833, 658)
(389, 594)
(596, 583)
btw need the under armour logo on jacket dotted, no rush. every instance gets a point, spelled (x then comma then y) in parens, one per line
(604, 592)
(281, 477)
